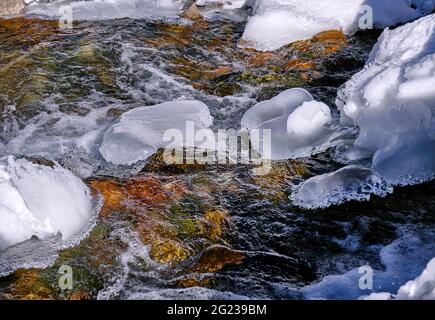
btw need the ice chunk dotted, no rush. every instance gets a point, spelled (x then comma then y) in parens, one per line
(348, 183)
(140, 132)
(39, 200)
(392, 103)
(297, 123)
(278, 22)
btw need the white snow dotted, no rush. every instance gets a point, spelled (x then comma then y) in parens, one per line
(275, 23)
(298, 124)
(140, 132)
(41, 201)
(392, 103)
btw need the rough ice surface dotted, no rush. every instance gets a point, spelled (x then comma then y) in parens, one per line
(105, 9)
(42, 201)
(297, 123)
(139, 133)
(275, 23)
(392, 103)
(348, 183)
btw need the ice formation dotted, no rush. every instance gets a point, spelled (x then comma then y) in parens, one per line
(348, 183)
(391, 103)
(39, 200)
(140, 132)
(275, 23)
(298, 124)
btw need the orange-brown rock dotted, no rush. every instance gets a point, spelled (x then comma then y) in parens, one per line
(29, 286)
(260, 59)
(147, 189)
(112, 194)
(331, 40)
(80, 295)
(216, 257)
(176, 188)
(215, 220)
(167, 251)
(298, 64)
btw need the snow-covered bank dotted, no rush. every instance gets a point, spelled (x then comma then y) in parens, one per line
(391, 104)
(275, 23)
(141, 132)
(40, 200)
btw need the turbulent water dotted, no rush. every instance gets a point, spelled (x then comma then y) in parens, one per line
(59, 91)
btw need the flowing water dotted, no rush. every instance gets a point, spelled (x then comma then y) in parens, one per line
(198, 231)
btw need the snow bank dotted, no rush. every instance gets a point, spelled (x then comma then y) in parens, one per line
(298, 124)
(106, 9)
(38, 200)
(140, 132)
(278, 22)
